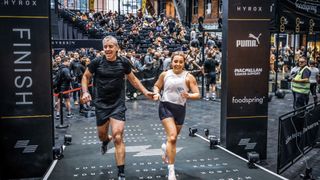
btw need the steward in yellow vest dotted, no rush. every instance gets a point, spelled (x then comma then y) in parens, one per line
(300, 84)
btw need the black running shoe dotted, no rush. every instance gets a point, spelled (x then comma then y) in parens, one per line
(104, 147)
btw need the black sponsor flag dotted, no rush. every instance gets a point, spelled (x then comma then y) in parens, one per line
(26, 100)
(246, 47)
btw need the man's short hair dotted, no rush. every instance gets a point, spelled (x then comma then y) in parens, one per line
(110, 38)
(65, 59)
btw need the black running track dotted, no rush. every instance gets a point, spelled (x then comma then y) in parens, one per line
(143, 137)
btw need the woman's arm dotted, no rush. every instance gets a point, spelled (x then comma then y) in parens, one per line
(193, 86)
(158, 86)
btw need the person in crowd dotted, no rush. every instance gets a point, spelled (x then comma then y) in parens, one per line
(300, 84)
(293, 73)
(314, 77)
(209, 68)
(167, 60)
(193, 59)
(176, 85)
(56, 77)
(149, 62)
(172, 25)
(77, 70)
(64, 84)
(193, 34)
(287, 59)
(272, 60)
(138, 64)
(109, 97)
(62, 53)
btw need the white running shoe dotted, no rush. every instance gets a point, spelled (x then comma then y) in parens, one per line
(172, 175)
(121, 176)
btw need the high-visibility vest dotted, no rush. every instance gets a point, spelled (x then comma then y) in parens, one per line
(300, 87)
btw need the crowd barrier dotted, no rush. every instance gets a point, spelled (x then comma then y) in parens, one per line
(60, 95)
(298, 132)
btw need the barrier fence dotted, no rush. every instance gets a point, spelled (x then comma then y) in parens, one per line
(297, 134)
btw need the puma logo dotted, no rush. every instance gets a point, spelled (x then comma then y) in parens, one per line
(255, 37)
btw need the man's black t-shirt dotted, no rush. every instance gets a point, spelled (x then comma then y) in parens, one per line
(109, 91)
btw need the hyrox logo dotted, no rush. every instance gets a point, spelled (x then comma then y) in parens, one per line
(19, 3)
(249, 8)
(26, 148)
(63, 42)
(253, 42)
(245, 142)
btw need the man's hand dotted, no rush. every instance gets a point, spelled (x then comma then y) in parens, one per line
(86, 97)
(149, 94)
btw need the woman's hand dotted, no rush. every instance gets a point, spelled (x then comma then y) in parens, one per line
(185, 94)
(156, 96)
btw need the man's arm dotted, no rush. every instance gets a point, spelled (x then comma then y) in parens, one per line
(86, 97)
(137, 84)
(305, 77)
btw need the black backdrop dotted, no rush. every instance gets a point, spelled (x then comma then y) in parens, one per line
(299, 15)
(245, 69)
(26, 135)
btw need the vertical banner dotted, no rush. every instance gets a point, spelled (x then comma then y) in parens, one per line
(91, 5)
(26, 101)
(246, 48)
(180, 6)
(143, 7)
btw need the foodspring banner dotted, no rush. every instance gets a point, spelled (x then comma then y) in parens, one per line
(26, 134)
(244, 107)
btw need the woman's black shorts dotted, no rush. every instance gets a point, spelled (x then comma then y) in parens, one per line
(175, 111)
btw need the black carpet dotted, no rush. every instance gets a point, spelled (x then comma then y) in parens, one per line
(143, 137)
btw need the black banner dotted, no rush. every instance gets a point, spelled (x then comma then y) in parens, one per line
(246, 49)
(298, 16)
(307, 8)
(298, 132)
(71, 45)
(248, 69)
(26, 97)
